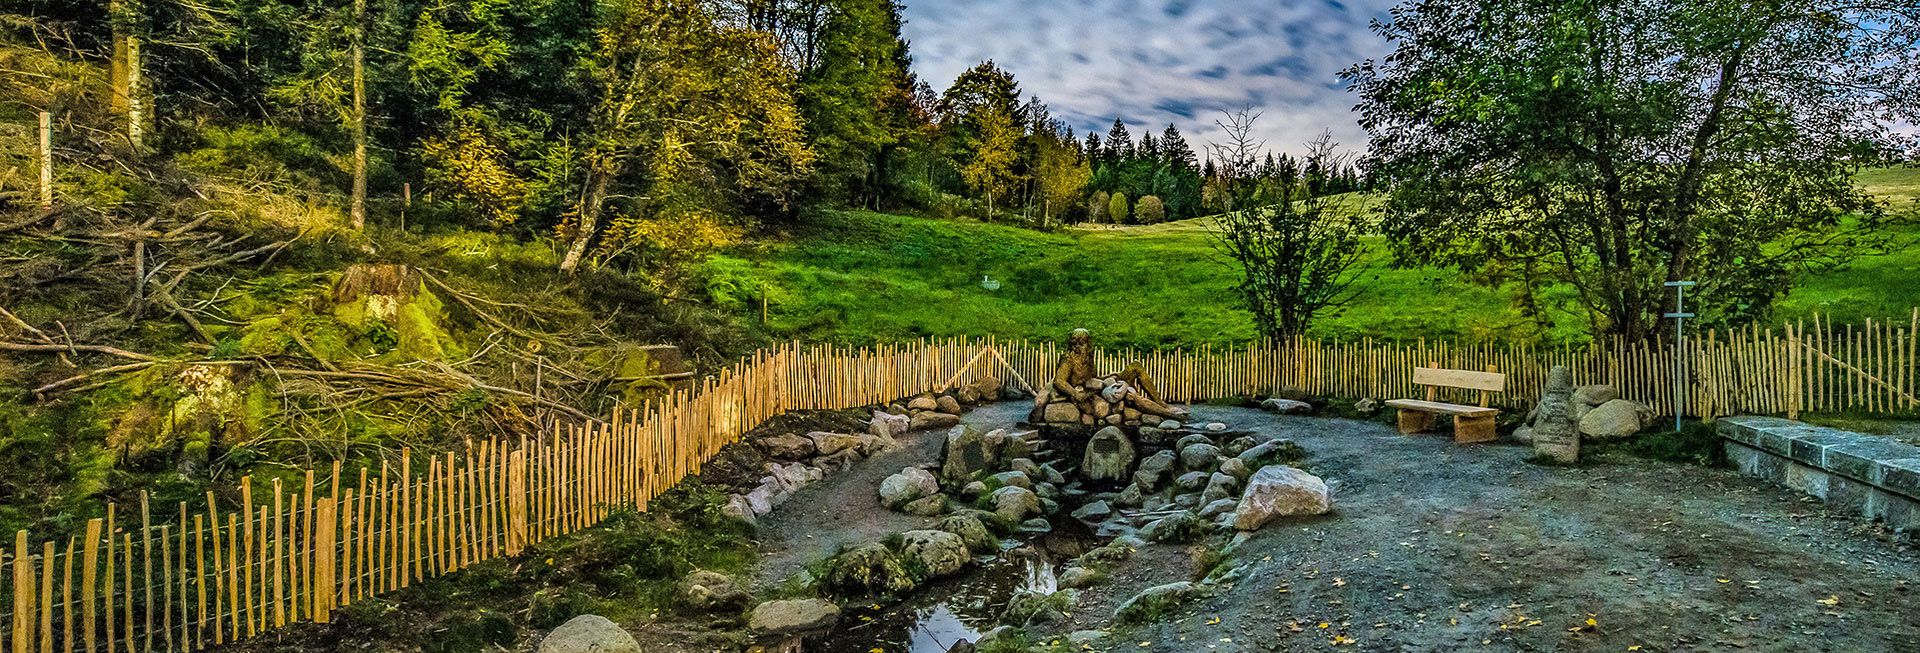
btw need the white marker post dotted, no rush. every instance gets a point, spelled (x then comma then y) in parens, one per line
(1679, 316)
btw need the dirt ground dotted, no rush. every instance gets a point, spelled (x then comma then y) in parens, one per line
(1439, 547)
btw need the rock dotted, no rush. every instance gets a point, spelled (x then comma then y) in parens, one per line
(1023, 465)
(1236, 468)
(872, 444)
(1523, 435)
(1085, 639)
(793, 476)
(932, 420)
(912, 483)
(971, 531)
(1060, 413)
(1219, 486)
(923, 402)
(1014, 503)
(1178, 527)
(1287, 406)
(974, 489)
(1158, 463)
(1152, 435)
(1215, 426)
(1093, 512)
(761, 498)
(1078, 577)
(1011, 479)
(869, 568)
(1366, 406)
(1190, 440)
(1036, 526)
(997, 637)
(740, 508)
(832, 443)
(1615, 419)
(1108, 455)
(888, 425)
(786, 446)
(1169, 424)
(589, 633)
(1272, 452)
(930, 506)
(1280, 491)
(838, 462)
(1218, 507)
(1593, 396)
(1187, 500)
(1239, 445)
(947, 404)
(962, 646)
(940, 553)
(1052, 475)
(1155, 601)
(791, 617)
(1200, 457)
(708, 590)
(968, 395)
(1556, 431)
(1130, 496)
(965, 455)
(1192, 481)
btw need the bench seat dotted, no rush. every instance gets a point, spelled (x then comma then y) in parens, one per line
(1442, 408)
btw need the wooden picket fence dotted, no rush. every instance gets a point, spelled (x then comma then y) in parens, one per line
(224, 570)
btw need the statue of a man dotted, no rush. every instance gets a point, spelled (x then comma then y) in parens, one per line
(1070, 377)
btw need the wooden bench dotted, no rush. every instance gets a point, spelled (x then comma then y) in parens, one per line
(1470, 423)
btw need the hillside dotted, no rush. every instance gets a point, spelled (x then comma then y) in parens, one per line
(859, 276)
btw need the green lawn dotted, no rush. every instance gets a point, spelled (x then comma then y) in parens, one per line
(861, 276)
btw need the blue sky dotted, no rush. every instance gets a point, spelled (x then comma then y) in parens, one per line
(1154, 62)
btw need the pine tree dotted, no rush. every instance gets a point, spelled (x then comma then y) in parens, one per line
(1119, 142)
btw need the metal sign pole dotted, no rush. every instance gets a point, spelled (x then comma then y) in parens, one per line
(1679, 316)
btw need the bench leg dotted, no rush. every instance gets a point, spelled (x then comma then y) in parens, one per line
(1473, 429)
(1413, 421)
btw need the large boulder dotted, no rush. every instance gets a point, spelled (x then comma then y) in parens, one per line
(1272, 452)
(947, 404)
(1060, 413)
(1157, 600)
(938, 552)
(1013, 504)
(1594, 395)
(1014, 478)
(910, 484)
(971, 530)
(932, 420)
(1108, 456)
(589, 633)
(1556, 431)
(1219, 486)
(965, 455)
(786, 446)
(791, 617)
(1280, 491)
(833, 443)
(923, 402)
(1203, 457)
(930, 506)
(1615, 419)
(712, 590)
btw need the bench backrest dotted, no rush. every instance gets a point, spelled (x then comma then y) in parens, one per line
(1436, 377)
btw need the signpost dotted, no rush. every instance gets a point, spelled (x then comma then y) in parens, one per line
(1679, 316)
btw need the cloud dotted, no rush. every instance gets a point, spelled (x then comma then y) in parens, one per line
(1155, 62)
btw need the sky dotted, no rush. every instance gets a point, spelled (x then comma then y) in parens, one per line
(1155, 62)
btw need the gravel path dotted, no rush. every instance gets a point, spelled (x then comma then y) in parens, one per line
(844, 509)
(1435, 547)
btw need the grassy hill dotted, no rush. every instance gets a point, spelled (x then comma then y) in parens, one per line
(862, 276)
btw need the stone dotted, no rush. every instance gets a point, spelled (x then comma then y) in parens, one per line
(832, 443)
(739, 507)
(1152, 435)
(1160, 462)
(589, 633)
(1190, 440)
(938, 552)
(1156, 600)
(923, 402)
(1130, 496)
(910, 484)
(932, 420)
(1013, 504)
(1093, 512)
(1216, 426)
(1192, 481)
(1177, 527)
(1594, 395)
(761, 498)
(1219, 486)
(971, 530)
(1060, 413)
(1286, 406)
(786, 446)
(965, 455)
(1187, 500)
(1052, 475)
(1366, 406)
(931, 506)
(1011, 479)
(1218, 507)
(1200, 457)
(1108, 455)
(947, 404)
(1085, 639)
(1280, 491)
(1025, 466)
(1078, 577)
(1169, 424)
(968, 395)
(1036, 526)
(1239, 445)
(1615, 419)
(1523, 435)
(709, 590)
(1236, 468)
(1556, 431)
(888, 425)
(974, 488)
(872, 444)
(792, 616)
(1272, 452)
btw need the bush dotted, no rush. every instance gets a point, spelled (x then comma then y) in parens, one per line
(1695, 443)
(1149, 210)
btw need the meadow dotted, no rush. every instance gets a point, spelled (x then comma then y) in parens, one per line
(858, 276)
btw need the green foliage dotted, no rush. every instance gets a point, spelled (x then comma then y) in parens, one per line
(1696, 443)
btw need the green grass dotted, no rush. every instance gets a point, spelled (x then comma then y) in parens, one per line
(860, 277)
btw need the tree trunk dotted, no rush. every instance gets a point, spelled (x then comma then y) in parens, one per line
(590, 208)
(136, 104)
(46, 161)
(117, 68)
(359, 205)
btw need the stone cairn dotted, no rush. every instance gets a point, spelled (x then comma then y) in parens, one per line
(1567, 414)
